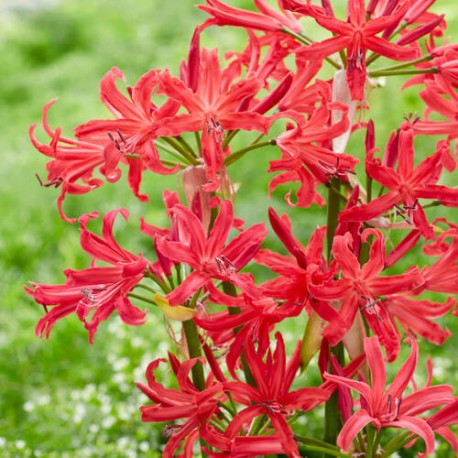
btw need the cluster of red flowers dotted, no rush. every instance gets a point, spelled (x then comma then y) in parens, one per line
(237, 394)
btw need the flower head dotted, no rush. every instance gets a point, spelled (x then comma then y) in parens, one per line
(384, 407)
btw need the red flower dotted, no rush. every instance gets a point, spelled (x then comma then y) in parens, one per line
(187, 402)
(440, 422)
(98, 289)
(256, 317)
(359, 289)
(73, 160)
(268, 19)
(442, 275)
(358, 34)
(207, 255)
(213, 108)
(406, 185)
(138, 122)
(291, 285)
(416, 316)
(272, 395)
(306, 157)
(387, 407)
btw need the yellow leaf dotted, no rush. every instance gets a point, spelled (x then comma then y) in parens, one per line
(177, 312)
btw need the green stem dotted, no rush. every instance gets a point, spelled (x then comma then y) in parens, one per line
(426, 58)
(369, 188)
(308, 41)
(158, 281)
(412, 71)
(141, 298)
(397, 443)
(432, 204)
(195, 351)
(333, 421)
(198, 142)
(336, 191)
(324, 451)
(305, 440)
(175, 144)
(146, 287)
(186, 145)
(171, 151)
(376, 442)
(333, 212)
(238, 154)
(228, 138)
(369, 441)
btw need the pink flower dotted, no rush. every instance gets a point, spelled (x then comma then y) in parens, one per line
(385, 408)
(100, 290)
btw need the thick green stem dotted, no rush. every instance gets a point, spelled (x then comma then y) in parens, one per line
(333, 420)
(333, 212)
(195, 351)
(369, 188)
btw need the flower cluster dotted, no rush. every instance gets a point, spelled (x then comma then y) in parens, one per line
(306, 104)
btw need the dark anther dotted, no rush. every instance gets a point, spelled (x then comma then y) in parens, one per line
(170, 430)
(89, 295)
(372, 307)
(334, 171)
(214, 126)
(55, 182)
(411, 207)
(225, 266)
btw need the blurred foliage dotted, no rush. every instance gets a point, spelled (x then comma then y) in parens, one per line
(63, 397)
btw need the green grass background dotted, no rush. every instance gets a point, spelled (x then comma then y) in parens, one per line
(63, 397)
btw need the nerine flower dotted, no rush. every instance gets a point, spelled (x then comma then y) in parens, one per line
(268, 19)
(214, 107)
(187, 402)
(357, 35)
(209, 256)
(138, 122)
(360, 287)
(272, 395)
(73, 162)
(389, 407)
(306, 156)
(406, 186)
(97, 291)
